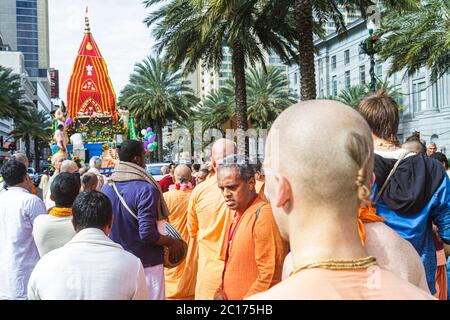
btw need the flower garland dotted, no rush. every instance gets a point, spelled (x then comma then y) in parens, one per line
(181, 186)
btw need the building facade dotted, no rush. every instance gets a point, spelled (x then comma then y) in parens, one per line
(204, 80)
(24, 26)
(339, 64)
(24, 47)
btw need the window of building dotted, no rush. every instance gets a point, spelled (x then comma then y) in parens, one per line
(362, 74)
(27, 42)
(379, 71)
(31, 56)
(320, 66)
(26, 26)
(419, 96)
(27, 34)
(334, 85)
(27, 19)
(26, 12)
(295, 78)
(26, 4)
(28, 49)
(347, 79)
(347, 56)
(333, 62)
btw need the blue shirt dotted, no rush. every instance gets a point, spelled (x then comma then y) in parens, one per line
(136, 236)
(417, 227)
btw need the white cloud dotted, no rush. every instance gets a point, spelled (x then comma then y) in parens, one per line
(117, 27)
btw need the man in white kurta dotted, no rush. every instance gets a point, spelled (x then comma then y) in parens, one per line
(53, 230)
(90, 266)
(18, 210)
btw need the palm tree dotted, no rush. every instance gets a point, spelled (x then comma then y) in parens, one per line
(11, 95)
(191, 31)
(353, 95)
(217, 108)
(156, 95)
(268, 95)
(41, 134)
(326, 10)
(33, 125)
(419, 37)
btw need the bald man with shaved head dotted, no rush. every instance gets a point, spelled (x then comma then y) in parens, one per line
(180, 281)
(208, 221)
(315, 203)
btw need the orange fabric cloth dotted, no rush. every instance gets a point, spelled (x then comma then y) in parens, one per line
(208, 221)
(60, 212)
(366, 215)
(34, 190)
(441, 276)
(255, 255)
(180, 281)
(373, 283)
(260, 186)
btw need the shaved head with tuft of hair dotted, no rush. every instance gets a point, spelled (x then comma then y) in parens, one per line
(324, 151)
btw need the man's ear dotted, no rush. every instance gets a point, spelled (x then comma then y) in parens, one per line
(284, 193)
(252, 183)
(52, 197)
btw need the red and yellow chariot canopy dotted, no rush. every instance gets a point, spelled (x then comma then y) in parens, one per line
(90, 92)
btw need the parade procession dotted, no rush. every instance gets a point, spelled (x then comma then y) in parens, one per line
(247, 156)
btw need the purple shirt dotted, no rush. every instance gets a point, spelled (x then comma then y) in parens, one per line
(136, 236)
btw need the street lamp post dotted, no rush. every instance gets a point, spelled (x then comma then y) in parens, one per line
(368, 46)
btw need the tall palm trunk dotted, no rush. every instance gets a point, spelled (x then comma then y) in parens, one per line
(304, 18)
(27, 147)
(36, 154)
(238, 61)
(160, 142)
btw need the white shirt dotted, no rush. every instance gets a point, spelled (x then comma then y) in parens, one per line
(51, 232)
(18, 252)
(89, 267)
(396, 154)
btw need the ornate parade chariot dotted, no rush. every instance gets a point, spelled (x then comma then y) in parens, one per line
(93, 125)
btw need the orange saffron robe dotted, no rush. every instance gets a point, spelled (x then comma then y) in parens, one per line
(255, 254)
(180, 281)
(208, 221)
(260, 186)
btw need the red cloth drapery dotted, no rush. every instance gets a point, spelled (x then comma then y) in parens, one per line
(90, 91)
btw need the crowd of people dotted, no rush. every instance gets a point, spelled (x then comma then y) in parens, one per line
(340, 209)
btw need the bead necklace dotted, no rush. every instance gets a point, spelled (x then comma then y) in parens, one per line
(331, 264)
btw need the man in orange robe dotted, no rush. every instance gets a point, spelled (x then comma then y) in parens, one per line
(315, 203)
(255, 253)
(208, 221)
(180, 281)
(260, 181)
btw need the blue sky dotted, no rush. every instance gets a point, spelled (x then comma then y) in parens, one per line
(117, 28)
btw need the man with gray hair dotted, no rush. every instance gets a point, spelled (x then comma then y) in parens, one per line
(95, 165)
(167, 179)
(67, 166)
(255, 252)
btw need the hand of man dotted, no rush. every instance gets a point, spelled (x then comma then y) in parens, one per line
(176, 249)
